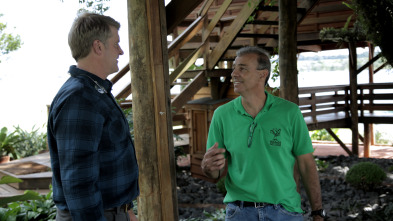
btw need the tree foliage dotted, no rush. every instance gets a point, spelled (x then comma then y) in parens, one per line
(374, 22)
(8, 42)
(94, 6)
(376, 17)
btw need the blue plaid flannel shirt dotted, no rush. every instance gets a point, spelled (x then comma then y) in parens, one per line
(92, 154)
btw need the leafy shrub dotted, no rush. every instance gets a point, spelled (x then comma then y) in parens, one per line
(321, 164)
(381, 138)
(29, 206)
(365, 175)
(323, 135)
(31, 143)
(42, 209)
(8, 142)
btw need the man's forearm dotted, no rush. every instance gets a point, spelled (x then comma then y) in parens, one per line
(311, 183)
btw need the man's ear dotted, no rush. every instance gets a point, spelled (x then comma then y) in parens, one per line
(97, 47)
(263, 73)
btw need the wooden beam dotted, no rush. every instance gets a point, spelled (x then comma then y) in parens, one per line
(177, 10)
(151, 111)
(367, 140)
(379, 68)
(205, 8)
(353, 84)
(125, 92)
(186, 94)
(307, 6)
(288, 51)
(371, 73)
(185, 36)
(339, 141)
(262, 22)
(230, 35)
(256, 35)
(186, 64)
(370, 62)
(213, 22)
(120, 74)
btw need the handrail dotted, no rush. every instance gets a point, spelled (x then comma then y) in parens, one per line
(317, 101)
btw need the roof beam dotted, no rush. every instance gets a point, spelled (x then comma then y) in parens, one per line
(177, 10)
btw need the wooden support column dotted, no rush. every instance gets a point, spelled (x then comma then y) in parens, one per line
(371, 50)
(367, 137)
(353, 84)
(151, 109)
(287, 51)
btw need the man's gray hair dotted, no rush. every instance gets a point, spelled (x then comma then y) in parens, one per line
(263, 58)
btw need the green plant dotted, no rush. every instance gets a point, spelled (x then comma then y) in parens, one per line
(218, 215)
(379, 139)
(32, 143)
(390, 169)
(321, 164)
(29, 206)
(365, 175)
(322, 135)
(8, 142)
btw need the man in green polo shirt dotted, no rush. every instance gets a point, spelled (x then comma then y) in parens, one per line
(261, 137)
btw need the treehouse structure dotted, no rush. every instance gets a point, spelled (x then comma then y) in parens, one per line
(213, 30)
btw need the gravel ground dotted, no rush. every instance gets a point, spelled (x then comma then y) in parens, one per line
(341, 201)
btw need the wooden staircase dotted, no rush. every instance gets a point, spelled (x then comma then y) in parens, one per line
(214, 30)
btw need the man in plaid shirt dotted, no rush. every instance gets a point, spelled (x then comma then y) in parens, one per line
(95, 171)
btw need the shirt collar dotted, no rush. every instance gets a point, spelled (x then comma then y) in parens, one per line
(240, 109)
(76, 72)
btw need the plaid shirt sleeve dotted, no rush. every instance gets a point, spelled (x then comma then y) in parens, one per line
(78, 132)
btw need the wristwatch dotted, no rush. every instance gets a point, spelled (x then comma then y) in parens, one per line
(320, 212)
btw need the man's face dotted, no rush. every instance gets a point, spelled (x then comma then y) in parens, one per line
(245, 76)
(112, 52)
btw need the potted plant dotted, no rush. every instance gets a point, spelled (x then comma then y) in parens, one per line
(7, 142)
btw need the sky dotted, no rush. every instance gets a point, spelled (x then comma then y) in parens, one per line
(31, 76)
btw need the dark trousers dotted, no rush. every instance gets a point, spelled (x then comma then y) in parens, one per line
(115, 214)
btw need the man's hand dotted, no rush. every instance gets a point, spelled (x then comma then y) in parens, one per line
(213, 161)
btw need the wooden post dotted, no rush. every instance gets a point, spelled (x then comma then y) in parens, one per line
(151, 109)
(353, 84)
(371, 80)
(287, 51)
(366, 142)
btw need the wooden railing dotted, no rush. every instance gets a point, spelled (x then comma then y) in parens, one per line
(323, 107)
(375, 97)
(314, 101)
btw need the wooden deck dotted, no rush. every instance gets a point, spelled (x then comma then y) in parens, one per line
(42, 159)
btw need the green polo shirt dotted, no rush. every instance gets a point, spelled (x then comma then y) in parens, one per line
(263, 171)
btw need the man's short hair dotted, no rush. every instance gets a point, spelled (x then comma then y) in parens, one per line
(87, 28)
(263, 58)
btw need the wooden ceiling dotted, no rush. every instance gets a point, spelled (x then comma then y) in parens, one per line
(313, 16)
